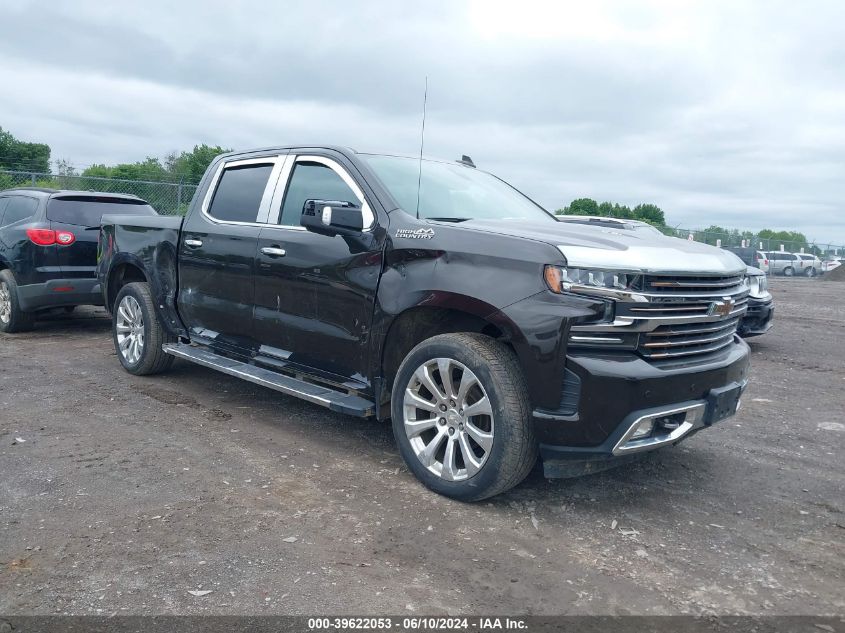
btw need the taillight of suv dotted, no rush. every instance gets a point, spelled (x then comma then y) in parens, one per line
(48, 237)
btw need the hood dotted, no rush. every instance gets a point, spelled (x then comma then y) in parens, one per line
(623, 249)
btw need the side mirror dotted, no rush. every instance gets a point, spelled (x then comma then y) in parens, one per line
(332, 217)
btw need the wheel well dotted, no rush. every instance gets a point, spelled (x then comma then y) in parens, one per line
(413, 326)
(119, 277)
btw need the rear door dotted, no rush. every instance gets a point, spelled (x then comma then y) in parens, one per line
(30, 262)
(217, 254)
(76, 220)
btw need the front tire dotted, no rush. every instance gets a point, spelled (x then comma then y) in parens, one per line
(811, 272)
(137, 332)
(12, 318)
(462, 417)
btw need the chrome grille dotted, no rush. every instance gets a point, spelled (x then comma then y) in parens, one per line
(669, 341)
(690, 285)
(688, 308)
(675, 316)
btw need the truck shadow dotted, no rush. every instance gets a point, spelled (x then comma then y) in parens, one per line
(667, 471)
(652, 485)
(82, 319)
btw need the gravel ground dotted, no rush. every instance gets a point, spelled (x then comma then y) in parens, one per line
(129, 493)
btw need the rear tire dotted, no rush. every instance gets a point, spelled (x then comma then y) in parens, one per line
(788, 271)
(811, 272)
(12, 318)
(464, 456)
(137, 332)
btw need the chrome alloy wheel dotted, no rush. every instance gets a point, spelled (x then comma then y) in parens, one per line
(130, 329)
(5, 303)
(448, 419)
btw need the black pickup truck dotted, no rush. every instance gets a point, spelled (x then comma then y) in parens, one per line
(436, 295)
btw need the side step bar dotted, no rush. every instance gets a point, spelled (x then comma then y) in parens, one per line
(329, 398)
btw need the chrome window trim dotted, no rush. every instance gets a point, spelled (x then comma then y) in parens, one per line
(276, 209)
(277, 160)
(279, 190)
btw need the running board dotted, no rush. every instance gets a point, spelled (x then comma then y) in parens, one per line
(329, 398)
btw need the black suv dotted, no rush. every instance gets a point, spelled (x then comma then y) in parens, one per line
(48, 249)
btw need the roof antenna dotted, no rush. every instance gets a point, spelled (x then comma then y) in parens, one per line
(422, 143)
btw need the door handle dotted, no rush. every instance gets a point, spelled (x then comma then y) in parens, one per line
(273, 251)
(193, 243)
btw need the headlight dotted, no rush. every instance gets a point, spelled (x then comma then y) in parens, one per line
(565, 279)
(758, 285)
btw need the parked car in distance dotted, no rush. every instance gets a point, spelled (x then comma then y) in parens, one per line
(751, 256)
(48, 249)
(783, 263)
(487, 331)
(758, 319)
(830, 264)
(810, 264)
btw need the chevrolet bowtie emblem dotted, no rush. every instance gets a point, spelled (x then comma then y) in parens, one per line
(721, 308)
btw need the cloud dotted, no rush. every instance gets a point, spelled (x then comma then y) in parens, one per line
(719, 112)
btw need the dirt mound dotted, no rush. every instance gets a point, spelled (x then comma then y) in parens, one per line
(837, 274)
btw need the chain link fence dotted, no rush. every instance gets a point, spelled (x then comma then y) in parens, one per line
(752, 240)
(173, 198)
(168, 198)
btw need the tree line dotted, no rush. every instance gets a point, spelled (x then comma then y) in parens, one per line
(167, 183)
(713, 234)
(650, 213)
(188, 167)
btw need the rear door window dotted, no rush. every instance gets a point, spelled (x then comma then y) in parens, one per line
(3, 203)
(19, 208)
(239, 192)
(88, 211)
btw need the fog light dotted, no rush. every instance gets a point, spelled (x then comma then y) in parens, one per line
(643, 429)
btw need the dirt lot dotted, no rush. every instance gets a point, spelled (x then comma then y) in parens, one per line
(128, 493)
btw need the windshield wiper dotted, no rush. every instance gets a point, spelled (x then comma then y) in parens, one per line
(449, 219)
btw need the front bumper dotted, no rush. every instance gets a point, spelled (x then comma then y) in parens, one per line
(57, 293)
(758, 318)
(615, 391)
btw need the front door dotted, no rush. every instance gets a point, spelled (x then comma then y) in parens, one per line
(217, 254)
(314, 295)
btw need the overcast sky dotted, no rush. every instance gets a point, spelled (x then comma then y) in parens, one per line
(729, 113)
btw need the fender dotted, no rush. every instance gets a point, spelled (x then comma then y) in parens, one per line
(494, 278)
(153, 251)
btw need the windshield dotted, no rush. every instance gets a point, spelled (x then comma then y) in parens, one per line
(452, 192)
